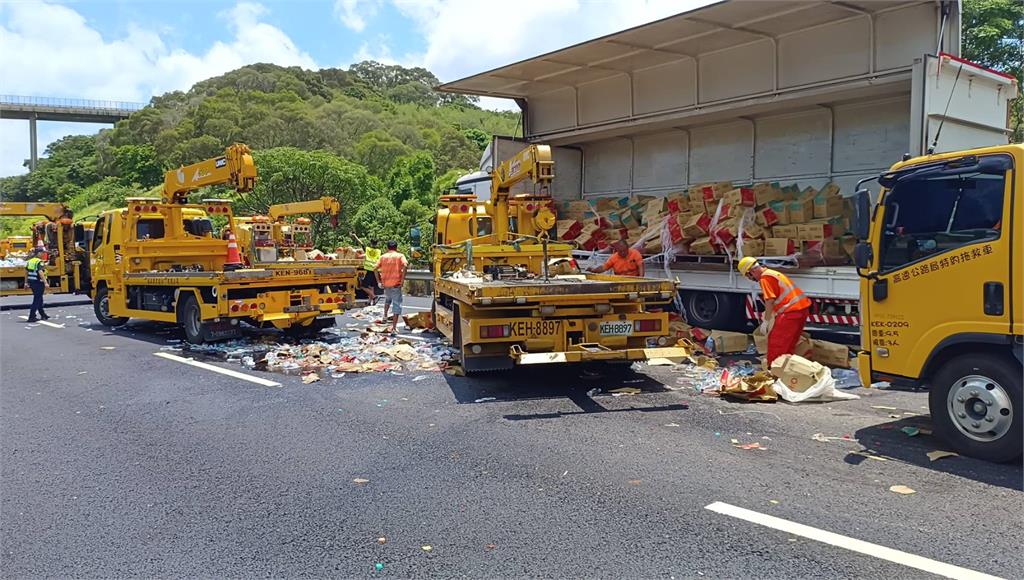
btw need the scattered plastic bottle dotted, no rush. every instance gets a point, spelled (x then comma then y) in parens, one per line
(846, 378)
(709, 345)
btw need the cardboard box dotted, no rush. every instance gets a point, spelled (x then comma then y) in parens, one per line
(697, 206)
(781, 210)
(827, 206)
(766, 217)
(849, 244)
(629, 221)
(568, 229)
(760, 341)
(677, 202)
(753, 231)
(752, 247)
(830, 354)
(767, 192)
(656, 206)
(830, 190)
(702, 247)
(580, 205)
(725, 232)
(828, 249)
(715, 191)
(787, 231)
(801, 211)
(697, 226)
(814, 231)
(728, 342)
(796, 372)
(808, 193)
(740, 196)
(779, 247)
(803, 346)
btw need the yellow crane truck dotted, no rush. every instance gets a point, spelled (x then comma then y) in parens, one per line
(68, 269)
(505, 294)
(942, 292)
(158, 259)
(272, 238)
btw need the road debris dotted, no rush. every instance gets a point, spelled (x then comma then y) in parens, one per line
(911, 431)
(427, 548)
(310, 378)
(938, 454)
(485, 399)
(624, 391)
(360, 481)
(382, 540)
(901, 489)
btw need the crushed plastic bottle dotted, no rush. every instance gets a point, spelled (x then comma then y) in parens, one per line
(846, 378)
(699, 378)
(709, 345)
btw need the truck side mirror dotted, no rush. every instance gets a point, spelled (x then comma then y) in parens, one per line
(863, 255)
(415, 238)
(861, 214)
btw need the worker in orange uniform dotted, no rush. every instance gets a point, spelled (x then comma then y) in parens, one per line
(624, 261)
(390, 271)
(786, 307)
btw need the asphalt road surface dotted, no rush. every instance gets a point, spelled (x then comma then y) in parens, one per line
(116, 462)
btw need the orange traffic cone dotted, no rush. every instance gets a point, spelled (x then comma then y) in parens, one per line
(234, 259)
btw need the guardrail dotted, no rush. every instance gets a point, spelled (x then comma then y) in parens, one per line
(61, 103)
(419, 275)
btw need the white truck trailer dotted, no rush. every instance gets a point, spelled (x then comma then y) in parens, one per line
(796, 91)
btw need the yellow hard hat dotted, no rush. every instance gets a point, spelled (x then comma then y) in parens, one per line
(746, 263)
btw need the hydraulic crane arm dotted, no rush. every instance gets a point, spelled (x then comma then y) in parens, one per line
(534, 163)
(325, 205)
(235, 168)
(51, 211)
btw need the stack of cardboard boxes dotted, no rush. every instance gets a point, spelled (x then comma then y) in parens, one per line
(765, 219)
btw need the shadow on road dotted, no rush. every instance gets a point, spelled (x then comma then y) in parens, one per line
(888, 440)
(586, 385)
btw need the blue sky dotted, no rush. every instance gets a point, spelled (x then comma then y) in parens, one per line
(130, 50)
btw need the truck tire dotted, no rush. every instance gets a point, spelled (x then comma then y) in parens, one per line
(975, 402)
(101, 306)
(715, 310)
(190, 316)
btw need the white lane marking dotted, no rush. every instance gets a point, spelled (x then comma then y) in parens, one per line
(217, 369)
(847, 543)
(43, 322)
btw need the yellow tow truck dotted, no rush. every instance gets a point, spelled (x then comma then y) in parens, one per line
(158, 259)
(505, 294)
(942, 275)
(15, 246)
(68, 269)
(272, 238)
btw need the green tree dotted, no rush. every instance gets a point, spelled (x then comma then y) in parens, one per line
(137, 164)
(381, 221)
(287, 174)
(378, 151)
(993, 36)
(411, 177)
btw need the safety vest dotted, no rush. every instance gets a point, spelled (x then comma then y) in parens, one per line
(790, 297)
(34, 268)
(370, 258)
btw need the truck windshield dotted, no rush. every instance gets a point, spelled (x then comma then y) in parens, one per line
(935, 214)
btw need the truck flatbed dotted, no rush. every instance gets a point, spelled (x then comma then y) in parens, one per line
(474, 289)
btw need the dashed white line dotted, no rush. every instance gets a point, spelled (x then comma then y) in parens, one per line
(216, 369)
(847, 543)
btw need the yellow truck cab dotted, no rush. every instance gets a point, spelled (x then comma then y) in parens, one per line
(942, 292)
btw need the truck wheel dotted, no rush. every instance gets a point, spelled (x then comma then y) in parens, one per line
(716, 310)
(191, 318)
(101, 306)
(975, 402)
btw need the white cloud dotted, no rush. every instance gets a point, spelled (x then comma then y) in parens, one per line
(84, 64)
(464, 37)
(354, 13)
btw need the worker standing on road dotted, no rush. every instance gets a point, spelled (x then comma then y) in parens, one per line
(390, 272)
(786, 307)
(371, 253)
(35, 275)
(624, 261)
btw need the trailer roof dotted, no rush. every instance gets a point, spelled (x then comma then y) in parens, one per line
(719, 26)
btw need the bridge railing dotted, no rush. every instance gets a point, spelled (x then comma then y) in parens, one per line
(60, 103)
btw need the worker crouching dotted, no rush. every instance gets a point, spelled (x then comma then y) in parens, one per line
(786, 307)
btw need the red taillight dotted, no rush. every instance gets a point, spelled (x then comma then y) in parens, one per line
(529, 207)
(648, 325)
(138, 208)
(234, 308)
(464, 208)
(152, 208)
(245, 307)
(210, 209)
(495, 331)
